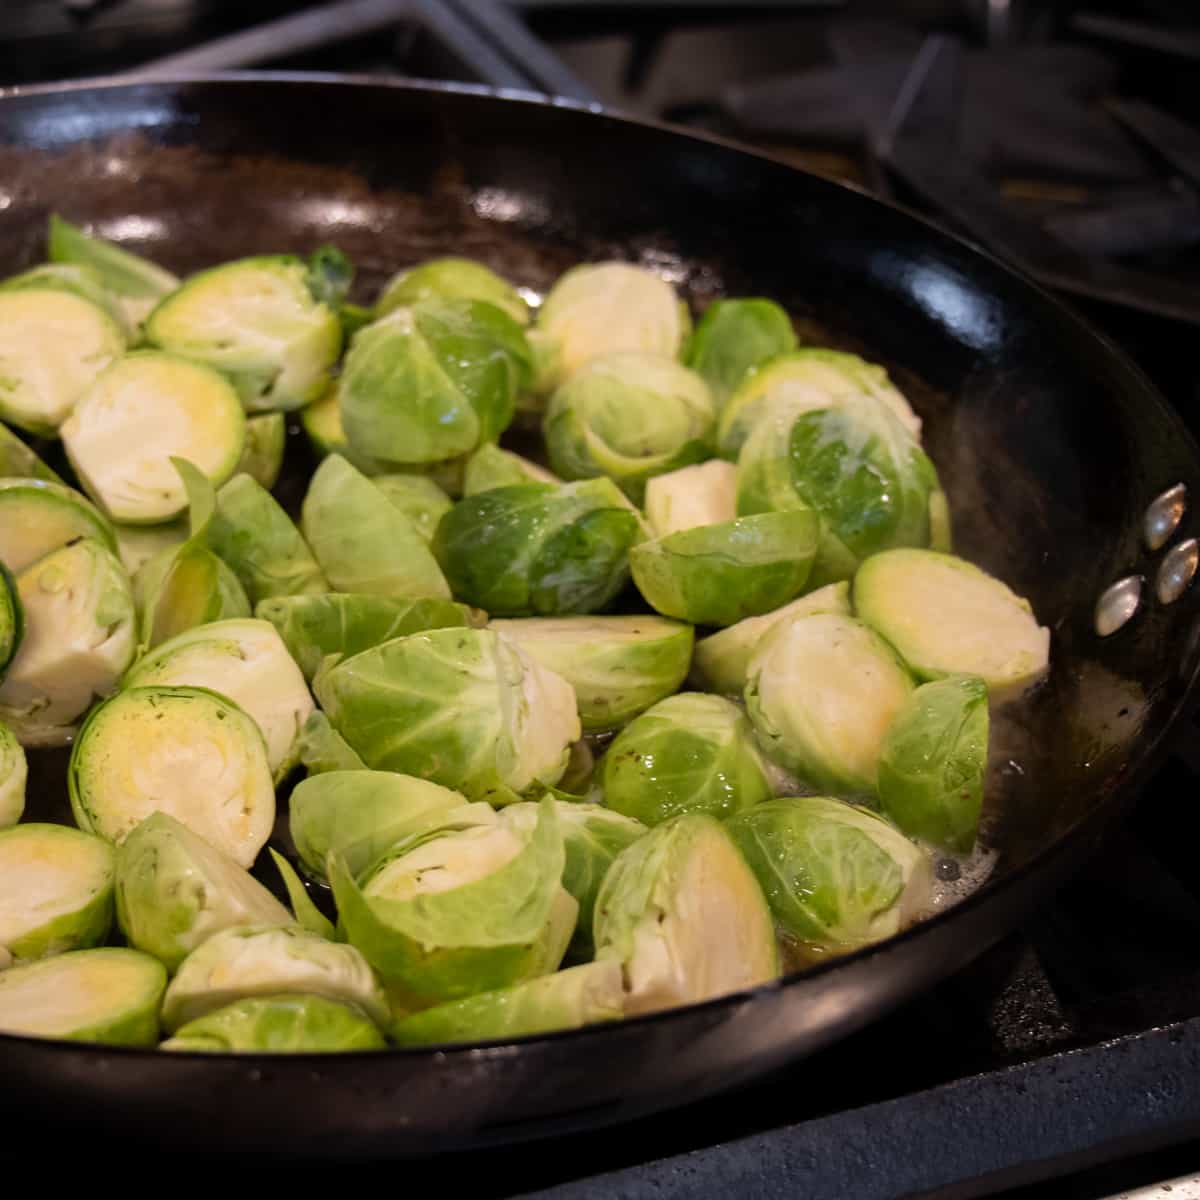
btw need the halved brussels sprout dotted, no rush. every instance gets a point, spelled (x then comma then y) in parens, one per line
(460, 911)
(704, 494)
(14, 772)
(256, 322)
(720, 661)
(12, 619)
(247, 662)
(689, 753)
(322, 422)
(19, 461)
(79, 280)
(136, 284)
(462, 707)
(822, 691)
(734, 337)
(684, 916)
(56, 890)
(535, 550)
(138, 544)
(719, 574)
(37, 516)
(271, 960)
(836, 876)
(79, 638)
(345, 623)
(947, 617)
(175, 890)
(451, 279)
(359, 815)
(278, 1025)
(569, 999)
(106, 995)
(53, 343)
(592, 837)
(602, 308)
(137, 416)
(618, 666)
(184, 751)
(321, 748)
(491, 467)
(629, 416)
(809, 378)
(262, 455)
(855, 464)
(254, 536)
(419, 498)
(363, 542)
(933, 762)
(433, 381)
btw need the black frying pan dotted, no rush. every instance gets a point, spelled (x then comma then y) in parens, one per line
(1050, 445)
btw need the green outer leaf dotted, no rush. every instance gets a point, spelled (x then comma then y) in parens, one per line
(330, 274)
(418, 497)
(262, 455)
(19, 461)
(321, 748)
(308, 915)
(37, 516)
(14, 772)
(12, 621)
(451, 279)
(734, 337)
(123, 273)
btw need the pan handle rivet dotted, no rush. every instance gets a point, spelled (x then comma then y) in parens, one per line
(1117, 604)
(1177, 570)
(1163, 515)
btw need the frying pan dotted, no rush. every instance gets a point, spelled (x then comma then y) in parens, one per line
(1050, 444)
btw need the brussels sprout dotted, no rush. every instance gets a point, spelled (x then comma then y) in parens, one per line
(360, 814)
(451, 279)
(618, 666)
(689, 753)
(258, 960)
(810, 378)
(142, 412)
(278, 1025)
(256, 321)
(37, 516)
(720, 660)
(12, 619)
(321, 748)
(629, 416)
(592, 837)
(460, 911)
(462, 707)
(734, 337)
(947, 617)
(138, 544)
(535, 550)
(18, 461)
(322, 423)
(175, 890)
(255, 537)
(432, 381)
(856, 465)
(184, 751)
(933, 761)
(719, 574)
(56, 890)
(136, 284)
(308, 916)
(836, 876)
(13, 775)
(53, 343)
(78, 639)
(345, 624)
(361, 540)
(187, 585)
(262, 455)
(601, 308)
(491, 467)
(110, 996)
(569, 999)
(245, 661)
(822, 690)
(685, 917)
(704, 494)
(418, 498)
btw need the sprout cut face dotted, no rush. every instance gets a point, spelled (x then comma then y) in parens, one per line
(183, 751)
(704, 494)
(37, 517)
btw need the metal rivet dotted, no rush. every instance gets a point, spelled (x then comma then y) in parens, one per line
(1177, 571)
(1117, 604)
(1163, 515)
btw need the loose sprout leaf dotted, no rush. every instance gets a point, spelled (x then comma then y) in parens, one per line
(308, 915)
(330, 274)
